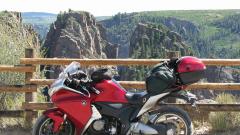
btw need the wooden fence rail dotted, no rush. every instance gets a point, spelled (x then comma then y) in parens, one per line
(19, 88)
(126, 62)
(28, 66)
(141, 85)
(12, 113)
(202, 86)
(17, 68)
(205, 107)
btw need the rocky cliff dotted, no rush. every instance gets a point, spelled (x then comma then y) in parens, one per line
(121, 27)
(77, 35)
(154, 41)
(14, 38)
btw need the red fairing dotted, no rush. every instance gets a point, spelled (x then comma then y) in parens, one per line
(190, 64)
(110, 92)
(76, 106)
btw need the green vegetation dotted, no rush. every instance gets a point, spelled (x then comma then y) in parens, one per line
(152, 41)
(14, 38)
(225, 121)
(210, 33)
(206, 33)
(230, 22)
(196, 16)
(155, 42)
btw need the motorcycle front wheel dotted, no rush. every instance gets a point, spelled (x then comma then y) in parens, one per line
(176, 120)
(44, 126)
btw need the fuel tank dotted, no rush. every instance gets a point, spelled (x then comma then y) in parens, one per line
(111, 91)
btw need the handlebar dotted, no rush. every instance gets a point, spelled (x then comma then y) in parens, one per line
(86, 84)
(95, 90)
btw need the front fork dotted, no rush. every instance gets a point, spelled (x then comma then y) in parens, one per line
(57, 116)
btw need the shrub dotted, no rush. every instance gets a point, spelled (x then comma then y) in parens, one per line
(13, 41)
(224, 121)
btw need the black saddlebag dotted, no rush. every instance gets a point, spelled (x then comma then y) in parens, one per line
(160, 78)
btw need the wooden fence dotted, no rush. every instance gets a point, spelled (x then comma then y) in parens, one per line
(29, 64)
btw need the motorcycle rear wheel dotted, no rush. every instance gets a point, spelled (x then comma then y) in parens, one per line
(178, 120)
(44, 126)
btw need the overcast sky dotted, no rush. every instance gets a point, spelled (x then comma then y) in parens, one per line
(111, 7)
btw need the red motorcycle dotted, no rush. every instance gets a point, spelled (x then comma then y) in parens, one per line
(100, 106)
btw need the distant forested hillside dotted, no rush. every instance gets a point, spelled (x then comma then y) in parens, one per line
(151, 41)
(40, 21)
(209, 33)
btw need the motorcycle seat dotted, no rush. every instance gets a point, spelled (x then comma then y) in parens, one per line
(136, 97)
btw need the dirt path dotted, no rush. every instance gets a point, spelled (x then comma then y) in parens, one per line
(28, 132)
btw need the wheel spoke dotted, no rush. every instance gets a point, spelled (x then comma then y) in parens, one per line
(177, 126)
(47, 128)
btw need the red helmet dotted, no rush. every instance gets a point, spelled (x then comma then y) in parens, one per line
(190, 69)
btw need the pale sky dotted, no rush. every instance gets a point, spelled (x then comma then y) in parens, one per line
(111, 7)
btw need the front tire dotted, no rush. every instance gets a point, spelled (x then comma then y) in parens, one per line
(44, 126)
(178, 120)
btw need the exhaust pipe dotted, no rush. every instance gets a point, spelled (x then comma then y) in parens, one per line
(140, 128)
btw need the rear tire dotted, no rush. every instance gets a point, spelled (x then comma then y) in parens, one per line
(44, 122)
(176, 113)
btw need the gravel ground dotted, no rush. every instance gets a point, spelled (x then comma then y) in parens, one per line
(15, 132)
(201, 131)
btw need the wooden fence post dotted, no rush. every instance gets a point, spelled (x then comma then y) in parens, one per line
(173, 54)
(29, 96)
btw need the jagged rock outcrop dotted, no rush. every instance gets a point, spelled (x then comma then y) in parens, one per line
(185, 28)
(14, 38)
(121, 27)
(76, 35)
(215, 74)
(154, 41)
(151, 41)
(220, 74)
